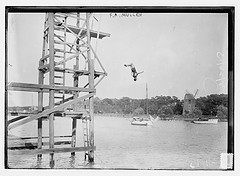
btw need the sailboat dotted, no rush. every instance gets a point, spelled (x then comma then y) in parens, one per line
(144, 121)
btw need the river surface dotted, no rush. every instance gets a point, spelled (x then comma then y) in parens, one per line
(120, 145)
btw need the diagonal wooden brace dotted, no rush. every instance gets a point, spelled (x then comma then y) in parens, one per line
(49, 111)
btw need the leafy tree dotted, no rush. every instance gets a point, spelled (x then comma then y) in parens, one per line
(152, 106)
(208, 105)
(108, 101)
(125, 104)
(97, 106)
(222, 111)
(165, 111)
(178, 109)
(197, 112)
(138, 111)
(201, 104)
(143, 105)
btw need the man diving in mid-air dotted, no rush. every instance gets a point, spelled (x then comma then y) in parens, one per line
(133, 71)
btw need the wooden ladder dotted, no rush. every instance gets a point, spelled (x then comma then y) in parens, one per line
(85, 125)
(59, 56)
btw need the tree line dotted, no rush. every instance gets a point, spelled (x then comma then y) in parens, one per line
(211, 105)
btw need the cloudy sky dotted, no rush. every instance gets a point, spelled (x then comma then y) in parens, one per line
(177, 52)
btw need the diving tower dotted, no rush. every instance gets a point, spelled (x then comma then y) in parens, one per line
(67, 72)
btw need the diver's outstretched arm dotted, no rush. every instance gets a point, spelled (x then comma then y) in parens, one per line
(140, 72)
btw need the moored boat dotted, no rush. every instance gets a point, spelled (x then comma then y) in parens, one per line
(142, 123)
(208, 121)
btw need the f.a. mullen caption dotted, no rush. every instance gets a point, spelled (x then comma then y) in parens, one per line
(124, 15)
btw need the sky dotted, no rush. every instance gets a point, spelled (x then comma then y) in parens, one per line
(178, 53)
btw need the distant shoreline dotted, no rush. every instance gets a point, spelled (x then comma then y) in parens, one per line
(168, 118)
(174, 117)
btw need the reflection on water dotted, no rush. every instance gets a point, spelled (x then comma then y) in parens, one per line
(165, 145)
(39, 163)
(72, 161)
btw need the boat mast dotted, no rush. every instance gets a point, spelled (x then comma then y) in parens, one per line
(147, 98)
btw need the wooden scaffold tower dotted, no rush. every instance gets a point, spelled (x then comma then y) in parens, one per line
(67, 58)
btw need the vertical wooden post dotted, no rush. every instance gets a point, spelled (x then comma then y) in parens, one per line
(147, 99)
(75, 84)
(40, 108)
(91, 85)
(51, 83)
(74, 120)
(40, 94)
(74, 129)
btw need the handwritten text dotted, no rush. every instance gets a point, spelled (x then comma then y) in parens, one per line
(121, 15)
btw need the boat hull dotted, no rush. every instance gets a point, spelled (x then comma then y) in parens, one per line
(210, 121)
(141, 123)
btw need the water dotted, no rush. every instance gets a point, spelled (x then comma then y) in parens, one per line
(120, 145)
